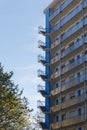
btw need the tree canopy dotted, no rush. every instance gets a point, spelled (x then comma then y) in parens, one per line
(14, 108)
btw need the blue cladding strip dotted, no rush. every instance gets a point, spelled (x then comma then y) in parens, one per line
(47, 100)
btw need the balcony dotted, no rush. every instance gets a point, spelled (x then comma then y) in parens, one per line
(74, 82)
(55, 59)
(55, 75)
(42, 31)
(69, 17)
(69, 50)
(41, 89)
(42, 75)
(41, 59)
(61, 8)
(56, 126)
(43, 125)
(41, 120)
(69, 103)
(56, 108)
(74, 64)
(74, 29)
(55, 91)
(70, 66)
(69, 84)
(75, 46)
(74, 101)
(41, 106)
(56, 27)
(56, 43)
(76, 119)
(42, 45)
(73, 13)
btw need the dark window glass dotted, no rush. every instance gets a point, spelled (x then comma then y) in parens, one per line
(79, 112)
(79, 92)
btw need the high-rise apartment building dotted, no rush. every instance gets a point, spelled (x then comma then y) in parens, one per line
(65, 62)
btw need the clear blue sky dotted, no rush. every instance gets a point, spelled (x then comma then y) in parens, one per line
(19, 20)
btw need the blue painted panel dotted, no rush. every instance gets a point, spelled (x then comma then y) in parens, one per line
(47, 85)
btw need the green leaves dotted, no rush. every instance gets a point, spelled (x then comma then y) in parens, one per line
(14, 110)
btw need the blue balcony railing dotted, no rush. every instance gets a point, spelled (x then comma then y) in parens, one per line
(70, 66)
(74, 29)
(76, 63)
(41, 89)
(73, 13)
(69, 84)
(41, 59)
(41, 44)
(42, 75)
(61, 8)
(69, 17)
(42, 31)
(41, 105)
(41, 120)
(75, 46)
(74, 82)
(70, 49)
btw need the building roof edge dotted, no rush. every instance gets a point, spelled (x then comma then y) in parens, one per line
(50, 5)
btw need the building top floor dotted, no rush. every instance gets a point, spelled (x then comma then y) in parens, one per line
(52, 5)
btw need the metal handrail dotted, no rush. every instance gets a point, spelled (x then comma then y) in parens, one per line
(41, 43)
(41, 58)
(40, 72)
(40, 103)
(40, 88)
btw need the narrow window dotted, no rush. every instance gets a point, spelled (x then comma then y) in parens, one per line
(63, 117)
(57, 85)
(80, 128)
(63, 99)
(78, 75)
(57, 118)
(79, 112)
(56, 101)
(79, 93)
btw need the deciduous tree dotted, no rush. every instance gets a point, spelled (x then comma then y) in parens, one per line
(14, 108)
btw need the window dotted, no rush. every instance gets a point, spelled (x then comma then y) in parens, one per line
(78, 57)
(56, 70)
(77, 40)
(86, 52)
(63, 99)
(85, 34)
(79, 93)
(62, 51)
(72, 60)
(62, 66)
(63, 34)
(72, 95)
(57, 118)
(78, 75)
(79, 111)
(56, 54)
(77, 23)
(56, 101)
(57, 85)
(63, 117)
(80, 128)
(57, 39)
(71, 44)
